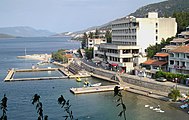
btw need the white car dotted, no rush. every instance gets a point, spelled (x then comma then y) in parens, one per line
(161, 79)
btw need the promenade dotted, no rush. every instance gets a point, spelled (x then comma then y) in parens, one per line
(140, 85)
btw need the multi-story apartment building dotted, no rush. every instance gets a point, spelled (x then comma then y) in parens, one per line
(131, 36)
(179, 60)
(143, 31)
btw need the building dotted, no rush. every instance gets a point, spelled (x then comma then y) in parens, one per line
(151, 66)
(131, 36)
(179, 60)
(119, 56)
(95, 41)
(143, 31)
(182, 39)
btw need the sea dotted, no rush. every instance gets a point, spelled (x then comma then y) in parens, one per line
(94, 106)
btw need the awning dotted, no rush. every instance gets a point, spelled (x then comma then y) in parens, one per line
(114, 64)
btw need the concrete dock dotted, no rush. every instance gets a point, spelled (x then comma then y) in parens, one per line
(10, 74)
(40, 78)
(84, 90)
(36, 70)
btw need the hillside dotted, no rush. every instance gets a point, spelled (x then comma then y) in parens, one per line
(166, 8)
(6, 36)
(24, 31)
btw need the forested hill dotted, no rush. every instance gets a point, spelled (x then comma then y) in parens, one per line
(165, 8)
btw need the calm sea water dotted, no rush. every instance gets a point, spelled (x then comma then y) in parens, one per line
(97, 106)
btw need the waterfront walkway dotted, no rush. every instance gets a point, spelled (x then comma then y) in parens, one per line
(96, 89)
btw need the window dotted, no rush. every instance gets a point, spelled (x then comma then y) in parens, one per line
(171, 62)
(156, 38)
(156, 25)
(171, 55)
(156, 31)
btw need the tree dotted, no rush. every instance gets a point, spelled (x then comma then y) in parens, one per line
(97, 33)
(4, 107)
(182, 19)
(91, 35)
(174, 94)
(89, 53)
(108, 36)
(84, 40)
(39, 107)
(153, 49)
(117, 92)
(66, 105)
(60, 56)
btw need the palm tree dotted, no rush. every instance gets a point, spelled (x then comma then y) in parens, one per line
(117, 92)
(66, 105)
(39, 107)
(4, 107)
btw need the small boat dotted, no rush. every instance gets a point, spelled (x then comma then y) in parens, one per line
(95, 85)
(78, 79)
(86, 82)
(146, 105)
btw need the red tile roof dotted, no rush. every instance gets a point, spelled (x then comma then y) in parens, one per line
(154, 62)
(181, 49)
(68, 56)
(161, 55)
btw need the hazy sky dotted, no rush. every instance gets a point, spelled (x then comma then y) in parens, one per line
(65, 15)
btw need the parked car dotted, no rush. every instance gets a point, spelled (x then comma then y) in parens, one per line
(161, 79)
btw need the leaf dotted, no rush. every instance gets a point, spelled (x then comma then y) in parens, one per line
(124, 107)
(118, 105)
(120, 114)
(116, 90)
(118, 99)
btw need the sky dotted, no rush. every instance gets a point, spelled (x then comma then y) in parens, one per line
(65, 15)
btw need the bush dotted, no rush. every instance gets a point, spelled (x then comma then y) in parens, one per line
(174, 94)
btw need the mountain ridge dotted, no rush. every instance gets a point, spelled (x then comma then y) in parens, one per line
(165, 9)
(25, 31)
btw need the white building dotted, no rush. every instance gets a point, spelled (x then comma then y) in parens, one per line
(143, 31)
(179, 60)
(95, 41)
(131, 36)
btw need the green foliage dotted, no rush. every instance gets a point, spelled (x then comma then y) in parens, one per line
(4, 107)
(166, 8)
(79, 51)
(174, 94)
(59, 56)
(153, 49)
(84, 40)
(182, 19)
(66, 105)
(97, 33)
(171, 76)
(89, 53)
(39, 107)
(117, 92)
(108, 36)
(91, 35)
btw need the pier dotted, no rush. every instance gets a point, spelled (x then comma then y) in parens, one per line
(85, 90)
(65, 74)
(10, 74)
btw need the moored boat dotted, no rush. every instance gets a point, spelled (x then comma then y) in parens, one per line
(78, 79)
(95, 85)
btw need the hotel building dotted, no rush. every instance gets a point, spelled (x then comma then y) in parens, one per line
(131, 36)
